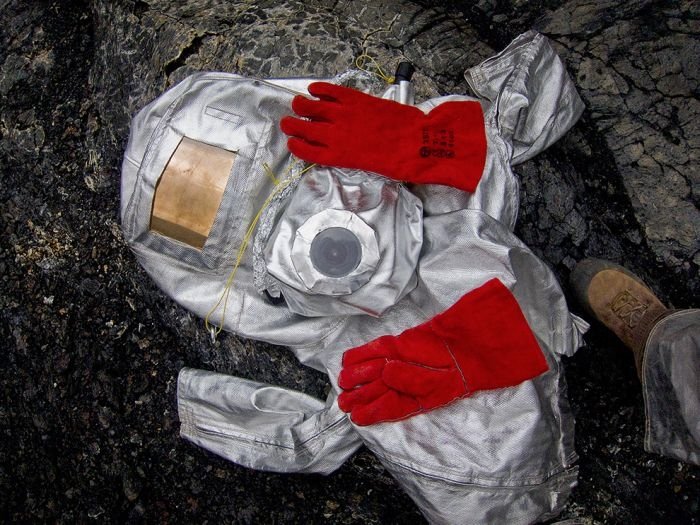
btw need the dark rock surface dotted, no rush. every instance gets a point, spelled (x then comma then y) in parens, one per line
(91, 349)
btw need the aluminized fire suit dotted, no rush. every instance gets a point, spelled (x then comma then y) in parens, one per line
(500, 456)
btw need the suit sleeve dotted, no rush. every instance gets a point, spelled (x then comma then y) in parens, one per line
(534, 100)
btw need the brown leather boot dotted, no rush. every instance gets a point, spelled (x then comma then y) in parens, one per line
(620, 300)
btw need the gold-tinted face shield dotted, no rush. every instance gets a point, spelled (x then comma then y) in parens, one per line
(189, 192)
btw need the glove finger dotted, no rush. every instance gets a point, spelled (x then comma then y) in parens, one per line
(350, 399)
(309, 130)
(392, 406)
(381, 347)
(423, 347)
(329, 92)
(361, 373)
(414, 380)
(307, 151)
(314, 109)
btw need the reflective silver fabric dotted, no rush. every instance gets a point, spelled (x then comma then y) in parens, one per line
(503, 456)
(262, 426)
(671, 385)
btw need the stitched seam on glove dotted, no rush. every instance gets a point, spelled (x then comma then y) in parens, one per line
(452, 355)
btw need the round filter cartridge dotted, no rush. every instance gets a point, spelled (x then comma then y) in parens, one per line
(336, 252)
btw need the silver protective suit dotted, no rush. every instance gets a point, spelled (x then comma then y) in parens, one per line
(501, 456)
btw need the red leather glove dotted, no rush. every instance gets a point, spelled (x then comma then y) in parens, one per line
(349, 129)
(482, 342)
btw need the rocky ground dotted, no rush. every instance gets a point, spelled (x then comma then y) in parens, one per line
(91, 349)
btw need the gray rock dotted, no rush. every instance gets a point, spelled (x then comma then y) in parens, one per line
(639, 74)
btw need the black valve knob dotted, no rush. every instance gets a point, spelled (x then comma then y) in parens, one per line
(404, 71)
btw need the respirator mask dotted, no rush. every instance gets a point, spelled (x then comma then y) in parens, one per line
(345, 242)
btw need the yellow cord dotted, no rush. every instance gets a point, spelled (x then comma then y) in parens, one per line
(279, 186)
(270, 173)
(360, 62)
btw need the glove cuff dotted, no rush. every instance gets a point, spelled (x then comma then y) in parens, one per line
(489, 338)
